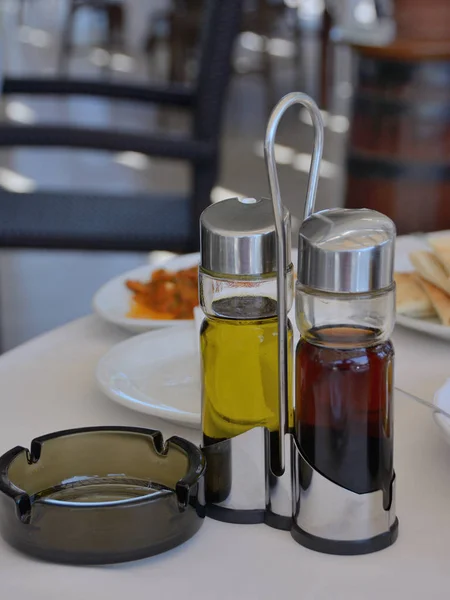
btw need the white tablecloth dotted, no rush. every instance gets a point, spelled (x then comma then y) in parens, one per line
(48, 384)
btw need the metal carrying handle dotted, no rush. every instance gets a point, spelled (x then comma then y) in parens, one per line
(281, 212)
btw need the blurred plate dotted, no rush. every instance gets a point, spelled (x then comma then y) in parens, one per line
(157, 373)
(405, 245)
(112, 301)
(442, 400)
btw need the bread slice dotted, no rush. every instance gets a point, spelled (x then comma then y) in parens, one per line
(441, 248)
(439, 299)
(412, 301)
(430, 268)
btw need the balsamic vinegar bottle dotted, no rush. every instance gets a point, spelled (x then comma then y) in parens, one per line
(345, 311)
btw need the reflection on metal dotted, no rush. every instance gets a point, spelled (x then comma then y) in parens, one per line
(240, 485)
(235, 476)
(328, 511)
(241, 488)
(278, 489)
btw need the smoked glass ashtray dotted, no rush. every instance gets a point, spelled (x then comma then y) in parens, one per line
(101, 495)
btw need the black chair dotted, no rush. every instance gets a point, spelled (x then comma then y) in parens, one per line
(139, 222)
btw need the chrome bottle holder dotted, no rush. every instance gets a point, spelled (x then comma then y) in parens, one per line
(332, 519)
(319, 513)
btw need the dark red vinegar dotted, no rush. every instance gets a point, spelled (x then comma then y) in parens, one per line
(344, 387)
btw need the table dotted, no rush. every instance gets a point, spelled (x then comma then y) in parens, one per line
(48, 384)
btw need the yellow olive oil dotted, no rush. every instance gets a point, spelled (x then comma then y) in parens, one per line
(239, 349)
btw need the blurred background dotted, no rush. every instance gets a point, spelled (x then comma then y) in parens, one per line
(120, 120)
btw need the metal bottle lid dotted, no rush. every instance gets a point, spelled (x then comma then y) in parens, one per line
(237, 237)
(346, 251)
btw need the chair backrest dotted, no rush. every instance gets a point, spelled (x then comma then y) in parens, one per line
(221, 25)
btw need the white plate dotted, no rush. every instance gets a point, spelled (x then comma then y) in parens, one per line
(157, 373)
(442, 400)
(112, 301)
(405, 245)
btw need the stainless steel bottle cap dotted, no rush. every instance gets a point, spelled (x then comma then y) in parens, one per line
(237, 237)
(346, 251)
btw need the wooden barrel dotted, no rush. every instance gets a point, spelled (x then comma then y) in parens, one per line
(399, 146)
(422, 19)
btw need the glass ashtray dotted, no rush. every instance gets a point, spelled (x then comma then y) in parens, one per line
(101, 495)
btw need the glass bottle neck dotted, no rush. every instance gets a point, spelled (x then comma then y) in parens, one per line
(241, 298)
(244, 307)
(345, 320)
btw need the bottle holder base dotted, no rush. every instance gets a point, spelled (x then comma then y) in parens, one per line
(248, 517)
(231, 515)
(247, 492)
(346, 548)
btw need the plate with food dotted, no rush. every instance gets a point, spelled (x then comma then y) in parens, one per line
(151, 297)
(422, 275)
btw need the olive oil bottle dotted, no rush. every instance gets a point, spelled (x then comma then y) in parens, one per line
(239, 350)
